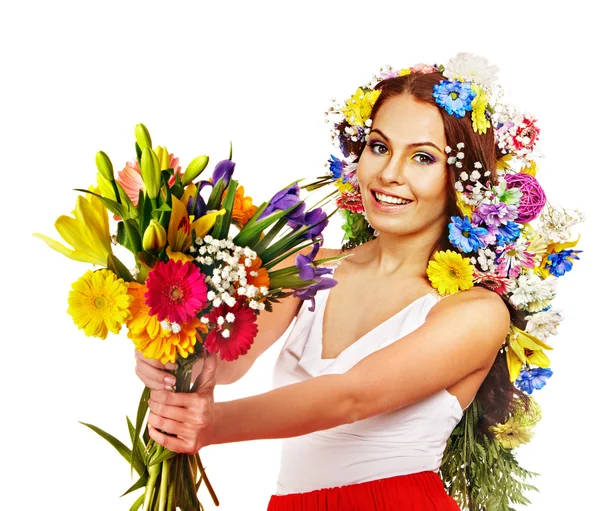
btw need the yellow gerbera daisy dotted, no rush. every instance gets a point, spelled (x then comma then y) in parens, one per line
(99, 302)
(358, 107)
(480, 122)
(512, 433)
(450, 272)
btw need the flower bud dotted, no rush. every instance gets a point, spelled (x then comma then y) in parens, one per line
(155, 237)
(150, 170)
(104, 166)
(163, 157)
(142, 136)
(194, 169)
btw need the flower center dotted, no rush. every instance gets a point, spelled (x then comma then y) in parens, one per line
(512, 253)
(465, 234)
(99, 302)
(528, 352)
(453, 95)
(453, 273)
(175, 294)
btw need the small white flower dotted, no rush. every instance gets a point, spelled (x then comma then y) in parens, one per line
(475, 175)
(220, 320)
(200, 259)
(368, 123)
(202, 250)
(459, 186)
(451, 160)
(176, 328)
(225, 333)
(248, 262)
(216, 280)
(448, 149)
(192, 249)
(460, 155)
(264, 290)
(459, 165)
(230, 317)
(254, 304)
(464, 176)
(208, 260)
(230, 301)
(165, 325)
(208, 238)
(210, 295)
(477, 165)
(204, 320)
(216, 302)
(460, 145)
(254, 273)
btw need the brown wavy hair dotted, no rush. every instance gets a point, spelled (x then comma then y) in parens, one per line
(497, 395)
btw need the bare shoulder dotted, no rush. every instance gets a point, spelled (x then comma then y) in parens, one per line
(483, 310)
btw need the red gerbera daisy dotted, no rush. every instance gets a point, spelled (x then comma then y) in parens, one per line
(351, 201)
(492, 281)
(176, 291)
(231, 338)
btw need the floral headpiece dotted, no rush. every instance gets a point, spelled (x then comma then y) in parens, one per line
(509, 238)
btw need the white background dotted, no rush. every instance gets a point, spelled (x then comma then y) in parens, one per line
(76, 77)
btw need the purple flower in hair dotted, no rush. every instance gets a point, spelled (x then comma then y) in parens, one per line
(495, 215)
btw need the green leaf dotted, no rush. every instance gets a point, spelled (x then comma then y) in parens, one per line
(141, 414)
(165, 455)
(214, 200)
(270, 236)
(115, 265)
(140, 483)
(133, 235)
(276, 261)
(141, 448)
(121, 448)
(113, 206)
(136, 505)
(163, 207)
(222, 224)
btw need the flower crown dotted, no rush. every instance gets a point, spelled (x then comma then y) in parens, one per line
(509, 237)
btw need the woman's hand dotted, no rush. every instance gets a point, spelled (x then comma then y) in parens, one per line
(153, 373)
(185, 422)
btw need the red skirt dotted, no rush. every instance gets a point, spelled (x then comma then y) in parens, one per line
(413, 492)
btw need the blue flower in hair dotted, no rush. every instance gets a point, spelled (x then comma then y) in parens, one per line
(466, 236)
(533, 379)
(508, 233)
(456, 97)
(336, 166)
(561, 262)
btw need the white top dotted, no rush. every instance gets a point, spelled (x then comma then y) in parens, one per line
(404, 441)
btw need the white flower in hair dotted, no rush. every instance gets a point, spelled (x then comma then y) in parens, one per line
(543, 324)
(471, 67)
(531, 289)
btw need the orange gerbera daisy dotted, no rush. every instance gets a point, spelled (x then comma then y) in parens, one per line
(243, 209)
(256, 275)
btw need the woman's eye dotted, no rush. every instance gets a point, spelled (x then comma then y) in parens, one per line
(378, 148)
(423, 158)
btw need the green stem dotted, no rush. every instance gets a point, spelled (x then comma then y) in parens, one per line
(153, 473)
(164, 485)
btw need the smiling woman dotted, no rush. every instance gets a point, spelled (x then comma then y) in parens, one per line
(390, 394)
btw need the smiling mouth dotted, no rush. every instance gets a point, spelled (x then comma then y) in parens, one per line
(389, 201)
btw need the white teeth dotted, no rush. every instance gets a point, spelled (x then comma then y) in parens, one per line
(392, 200)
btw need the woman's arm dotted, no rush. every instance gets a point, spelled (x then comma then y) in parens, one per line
(462, 334)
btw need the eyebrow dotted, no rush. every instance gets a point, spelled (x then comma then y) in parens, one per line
(414, 144)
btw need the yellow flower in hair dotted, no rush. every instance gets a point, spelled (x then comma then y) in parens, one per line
(465, 209)
(512, 433)
(450, 272)
(504, 162)
(524, 348)
(343, 187)
(530, 168)
(405, 71)
(480, 122)
(358, 108)
(553, 248)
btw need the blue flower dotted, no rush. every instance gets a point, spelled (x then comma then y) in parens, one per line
(561, 262)
(456, 97)
(309, 292)
(336, 167)
(533, 379)
(465, 236)
(508, 233)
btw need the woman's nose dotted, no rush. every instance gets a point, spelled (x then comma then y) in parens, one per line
(393, 171)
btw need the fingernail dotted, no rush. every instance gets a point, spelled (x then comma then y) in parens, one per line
(169, 380)
(168, 387)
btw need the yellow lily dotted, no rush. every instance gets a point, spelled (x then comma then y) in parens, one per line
(88, 233)
(524, 348)
(181, 227)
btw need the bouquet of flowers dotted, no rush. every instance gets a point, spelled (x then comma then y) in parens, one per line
(194, 287)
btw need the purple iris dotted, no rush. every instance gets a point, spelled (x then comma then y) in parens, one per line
(466, 236)
(223, 169)
(317, 218)
(306, 266)
(308, 293)
(198, 208)
(533, 379)
(561, 262)
(286, 199)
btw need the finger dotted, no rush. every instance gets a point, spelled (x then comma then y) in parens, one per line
(170, 442)
(209, 370)
(177, 413)
(178, 399)
(153, 378)
(170, 426)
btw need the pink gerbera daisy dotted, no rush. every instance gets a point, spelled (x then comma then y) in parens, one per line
(176, 291)
(130, 178)
(500, 285)
(234, 333)
(512, 257)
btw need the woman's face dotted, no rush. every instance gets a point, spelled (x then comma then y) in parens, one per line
(405, 159)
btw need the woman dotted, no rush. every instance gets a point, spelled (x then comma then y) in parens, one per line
(371, 384)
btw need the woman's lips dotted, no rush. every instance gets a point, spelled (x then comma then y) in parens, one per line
(387, 207)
